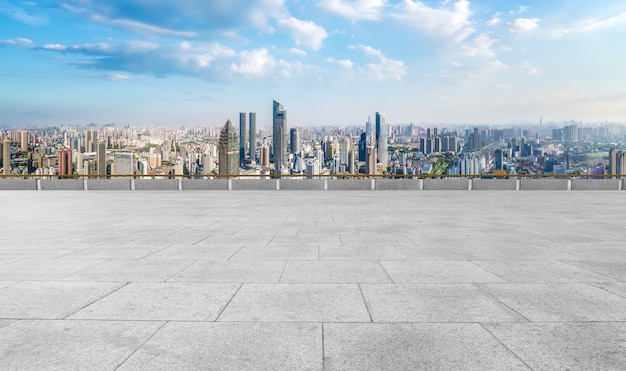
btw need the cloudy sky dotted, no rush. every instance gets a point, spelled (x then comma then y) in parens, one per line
(330, 62)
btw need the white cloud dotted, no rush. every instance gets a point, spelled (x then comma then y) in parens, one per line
(256, 62)
(494, 22)
(528, 69)
(384, 69)
(297, 51)
(345, 63)
(524, 25)
(591, 25)
(57, 47)
(354, 10)
(18, 41)
(117, 77)
(304, 33)
(140, 27)
(522, 9)
(479, 46)
(442, 23)
(494, 66)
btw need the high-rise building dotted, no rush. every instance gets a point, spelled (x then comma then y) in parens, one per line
(24, 136)
(294, 140)
(370, 161)
(617, 162)
(362, 146)
(242, 138)
(64, 159)
(264, 155)
(101, 158)
(344, 150)
(229, 150)
(123, 163)
(6, 155)
(381, 138)
(252, 137)
(475, 140)
(499, 159)
(279, 137)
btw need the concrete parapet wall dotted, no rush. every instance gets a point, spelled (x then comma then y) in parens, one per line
(205, 184)
(62, 184)
(595, 184)
(253, 184)
(349, 184)
(544, 184)
(156, 184)
(494, 184)
(18, 184)
(108, 184)
(302, 184)
(399, 184)
(446, 184)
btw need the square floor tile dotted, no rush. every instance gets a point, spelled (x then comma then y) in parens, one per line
(437, 272)
(335, 272)
(150, 270)
(231, 271)
(540, 271)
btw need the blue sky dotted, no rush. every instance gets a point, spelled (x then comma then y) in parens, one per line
(329, 62)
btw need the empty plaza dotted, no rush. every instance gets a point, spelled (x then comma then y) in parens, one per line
(312, 280)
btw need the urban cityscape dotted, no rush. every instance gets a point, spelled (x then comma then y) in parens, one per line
(376, 148)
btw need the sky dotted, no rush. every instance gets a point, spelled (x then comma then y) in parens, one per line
(329, 62)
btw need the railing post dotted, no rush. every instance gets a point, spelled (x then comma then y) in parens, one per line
(277, 184)
(132, 184)
(326, 184)
(85, 186)
(517, 184)
(38, 184)
(569, 184)
(470, 184)
(373, 184)
(230, 184)
(180, 184)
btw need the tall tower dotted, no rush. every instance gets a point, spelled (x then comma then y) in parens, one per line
(101, 160)
(279, 137)
(294, 140)
(370, 161)
(229, 150)
(613, 161)
(242, 138)
(123, 163)
(252, 137)
(64, 160)
(6, 155)
(381, 137)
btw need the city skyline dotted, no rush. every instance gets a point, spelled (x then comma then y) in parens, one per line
(332, 62)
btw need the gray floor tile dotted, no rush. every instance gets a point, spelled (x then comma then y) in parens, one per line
(434, 303)
(297, 302)
(546, 302)
(335, 272)
(71, 345)
(437, 272)
(430, 253)
(50, 300)
(231, 346)
(43, 269)
(221, 252)
(383, 252)
(565, 346)
(540, 271)
(616, 288)
(7, 283)
(412, 346)
(147, 270)
(162, 301)
(113, 252)
(277, 252)
(231, 271)
(615, 269)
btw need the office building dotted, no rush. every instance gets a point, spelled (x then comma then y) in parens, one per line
(370, 160)
(279, 137)
(229, 150)
(381, 138)
(252, 137)
(101, 158)
(362, 146)
(6, 156)
(617, 162)
(123, 163)
(243, 139)
(64, 160)
(294, 140)
(24, 136)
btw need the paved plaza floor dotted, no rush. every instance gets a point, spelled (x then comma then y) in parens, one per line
(312, 280)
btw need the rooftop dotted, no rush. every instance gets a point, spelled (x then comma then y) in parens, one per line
(500, 280)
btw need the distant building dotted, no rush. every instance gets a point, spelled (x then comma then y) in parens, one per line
(252, 137)
(381, 138)
(279, 137)
(370, 161)
(64, 160)
(228, 150)
(6, 156)
(242, 138)
(101, 158)
(294, 140)
(123, 163)
(617, 162)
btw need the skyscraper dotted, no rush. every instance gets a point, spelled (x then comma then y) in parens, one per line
(229, 150)
(362, 146)
(242, 138)
(381, 138)
(252, 137)
(101, 158)
(6, 155)
(370, 161)
(294, 140)
(279, 137)
(64, 160)
(123, 163)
